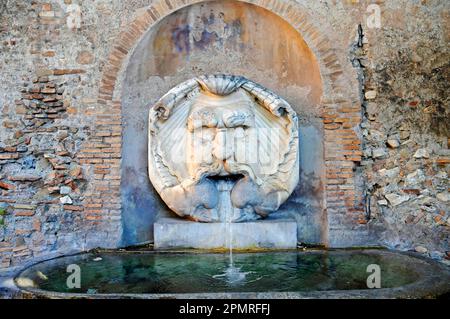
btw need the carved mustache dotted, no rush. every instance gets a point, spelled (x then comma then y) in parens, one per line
(224, 168)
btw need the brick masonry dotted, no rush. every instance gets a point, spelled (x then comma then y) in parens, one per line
(341, 108)
(61, 117)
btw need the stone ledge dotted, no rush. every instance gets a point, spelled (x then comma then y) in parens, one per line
(172, 233)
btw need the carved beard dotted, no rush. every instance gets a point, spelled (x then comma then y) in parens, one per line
(235, 186)
(215, 198)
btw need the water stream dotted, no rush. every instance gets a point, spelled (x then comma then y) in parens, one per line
(232, 275)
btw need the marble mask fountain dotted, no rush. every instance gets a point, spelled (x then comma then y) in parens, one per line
(222, 149)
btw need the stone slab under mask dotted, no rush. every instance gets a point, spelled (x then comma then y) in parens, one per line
(173, 233)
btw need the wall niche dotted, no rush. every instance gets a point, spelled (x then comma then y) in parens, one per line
(228, 37)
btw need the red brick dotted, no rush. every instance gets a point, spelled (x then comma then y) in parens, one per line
(46, 7)
(67, 71)
(7, 186)
(7, 156)
(73, 207)
(103, 133)
(93, 211)
(332, 126)
(24, 213)
(22, 231)
(36, 225)
(93, 205)
(93, 217)
(48, 54)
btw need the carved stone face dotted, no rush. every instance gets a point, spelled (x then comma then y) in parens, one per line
(217, 128)
(222, 148)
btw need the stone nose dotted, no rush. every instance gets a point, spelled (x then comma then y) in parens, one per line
(223, 145)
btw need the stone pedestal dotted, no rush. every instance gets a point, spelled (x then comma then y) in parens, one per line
(172, 233)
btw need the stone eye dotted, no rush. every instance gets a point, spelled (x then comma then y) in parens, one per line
(202, 118)
(238, 119)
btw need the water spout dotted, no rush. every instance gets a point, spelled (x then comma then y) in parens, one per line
(227, 211)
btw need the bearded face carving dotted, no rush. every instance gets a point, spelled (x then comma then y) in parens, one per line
(222, 148)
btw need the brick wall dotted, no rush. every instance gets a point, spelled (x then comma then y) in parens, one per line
(62, 66)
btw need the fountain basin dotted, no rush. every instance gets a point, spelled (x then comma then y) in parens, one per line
(288, 274)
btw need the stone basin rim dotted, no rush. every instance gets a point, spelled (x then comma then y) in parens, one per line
(434, 280)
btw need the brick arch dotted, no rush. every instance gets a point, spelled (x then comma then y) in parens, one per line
(330, 67)
(341, 109)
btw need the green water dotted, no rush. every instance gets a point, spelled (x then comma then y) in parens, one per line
(197, 273)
